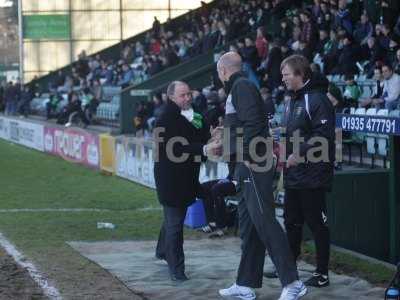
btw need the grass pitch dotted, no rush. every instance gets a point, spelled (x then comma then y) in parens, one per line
(37, 181)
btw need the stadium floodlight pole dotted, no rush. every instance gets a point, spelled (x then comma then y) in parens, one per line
(20, 43)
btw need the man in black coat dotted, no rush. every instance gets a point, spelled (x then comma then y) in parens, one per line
(310, 147)
(180, 147)
(259, 229)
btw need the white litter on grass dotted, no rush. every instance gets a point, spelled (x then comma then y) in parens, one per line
(49, 290)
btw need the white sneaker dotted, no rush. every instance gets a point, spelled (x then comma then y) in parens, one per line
(293, 291)
(68, 124)
(237, 291)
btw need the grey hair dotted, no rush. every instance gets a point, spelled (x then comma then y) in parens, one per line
(171, 87)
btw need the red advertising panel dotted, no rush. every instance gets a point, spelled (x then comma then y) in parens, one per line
(73, 144)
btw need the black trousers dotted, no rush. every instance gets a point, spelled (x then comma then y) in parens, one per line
(170, 240)
(308, 206)
(213, 193)
(260, 231)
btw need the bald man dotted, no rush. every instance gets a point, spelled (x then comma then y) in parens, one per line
(259, 229)
(180, 137)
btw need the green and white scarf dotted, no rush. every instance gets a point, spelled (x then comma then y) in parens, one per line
(193, 117)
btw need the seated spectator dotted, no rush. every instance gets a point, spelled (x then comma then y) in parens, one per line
(68, 85)
(214, 112)
(269, 103)
(325, 19)
(140, 119)
(51, 105)
(335, 96)
(309, 33)
(390, 11)
(284, 33)
(352, 91)
(343, 17)
(271, 67)
(199, 102)
(375, 54)
(248, 52)
(348, 57)
(89, 103)
(386, 39)
(376, 96)
(72, 110)
(396, 63)
(391, 88)
(158, 107)
(285, 50)
(364, 30)
(213, 193)
(126, 76)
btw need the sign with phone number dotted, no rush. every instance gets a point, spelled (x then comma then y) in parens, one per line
(368, 124)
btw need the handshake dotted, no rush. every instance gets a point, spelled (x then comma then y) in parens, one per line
(214, 147)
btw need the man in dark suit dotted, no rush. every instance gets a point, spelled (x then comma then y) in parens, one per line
(180, 140)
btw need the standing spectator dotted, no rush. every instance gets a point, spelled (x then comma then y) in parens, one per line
(156, 27)
(2, 89)
(11, 99)
(24, 103)
(261, 44)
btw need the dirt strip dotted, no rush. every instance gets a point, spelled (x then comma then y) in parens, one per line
(15, 282)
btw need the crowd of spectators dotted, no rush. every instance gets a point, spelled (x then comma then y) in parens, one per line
(340, 37)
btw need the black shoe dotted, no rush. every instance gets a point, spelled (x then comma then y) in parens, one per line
(179, 277)
(271, 274)
(318, 280)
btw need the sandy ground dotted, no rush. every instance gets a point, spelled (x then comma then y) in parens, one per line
(15, 282)
(211, 265)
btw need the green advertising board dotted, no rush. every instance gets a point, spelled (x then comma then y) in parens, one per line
(38, 27)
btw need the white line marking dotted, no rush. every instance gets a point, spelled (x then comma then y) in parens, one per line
(49, 290)
(19, 210)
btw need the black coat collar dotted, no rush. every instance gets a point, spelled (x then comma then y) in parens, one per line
(172, 108)
(228, 84)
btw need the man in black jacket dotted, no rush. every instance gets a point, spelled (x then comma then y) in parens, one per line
(259, 229)
(180, 146)
(310, 147)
